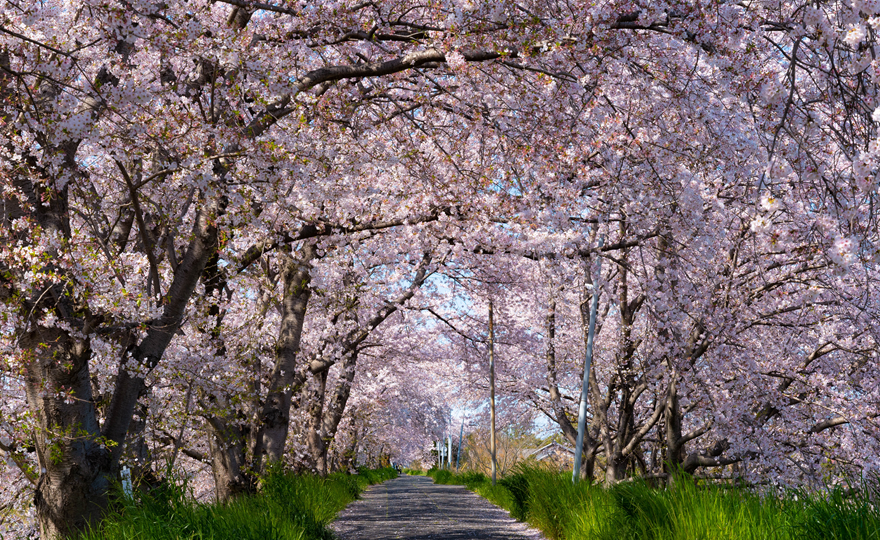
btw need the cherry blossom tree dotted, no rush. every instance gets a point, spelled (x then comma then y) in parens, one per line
(213, 204)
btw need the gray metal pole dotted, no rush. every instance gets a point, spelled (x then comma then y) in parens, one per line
(460, 443)
(449, 452)
(492, 390)
(588, 359)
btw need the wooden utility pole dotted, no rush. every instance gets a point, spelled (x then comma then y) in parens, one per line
(492, 390)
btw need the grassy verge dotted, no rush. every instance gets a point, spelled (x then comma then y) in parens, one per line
(685, 511)
(288, 507)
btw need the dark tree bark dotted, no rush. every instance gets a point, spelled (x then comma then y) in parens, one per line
(227, 442)
(314, 437)
(79, 458)
(244, 445)
(325, 417)
(275, 416)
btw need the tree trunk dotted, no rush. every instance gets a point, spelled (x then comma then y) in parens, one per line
(324, 421)
(314, 438)
(672, 425)
(137, 452)
(275, 416)
(78, 460)
(348, 459)
(336, 407)
(616, 469)
(243, 444)
(75, 468)
(228, 460)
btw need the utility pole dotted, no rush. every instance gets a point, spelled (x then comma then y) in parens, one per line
(460, 442)
(449, 452)
(492, 390)
(588, 359)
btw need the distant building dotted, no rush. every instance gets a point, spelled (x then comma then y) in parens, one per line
(553, 455)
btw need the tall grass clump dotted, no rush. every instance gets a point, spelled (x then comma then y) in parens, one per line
(469, 479)
(685, 510)
(287, 507)
(442, 476)
(843, 514)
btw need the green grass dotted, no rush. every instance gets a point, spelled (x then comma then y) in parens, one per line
(288, 507)
(684, 511)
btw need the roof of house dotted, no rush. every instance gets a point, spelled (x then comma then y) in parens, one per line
(547, 450)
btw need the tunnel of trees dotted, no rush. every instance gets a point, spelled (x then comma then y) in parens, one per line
(237, 233)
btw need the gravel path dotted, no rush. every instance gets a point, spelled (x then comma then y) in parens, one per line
(414, 508)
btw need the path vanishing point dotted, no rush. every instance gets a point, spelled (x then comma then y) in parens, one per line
(414, 508)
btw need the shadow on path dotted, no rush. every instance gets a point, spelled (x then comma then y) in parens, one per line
(414, 508)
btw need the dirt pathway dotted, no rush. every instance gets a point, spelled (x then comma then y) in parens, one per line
(414, 508)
